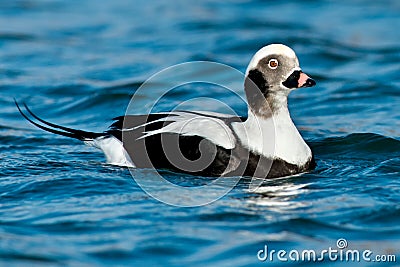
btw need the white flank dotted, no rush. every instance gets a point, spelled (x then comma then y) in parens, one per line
(113, 150)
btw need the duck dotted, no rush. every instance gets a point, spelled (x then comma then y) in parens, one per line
(263, 144)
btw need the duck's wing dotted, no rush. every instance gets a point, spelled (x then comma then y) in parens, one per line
(214, 127)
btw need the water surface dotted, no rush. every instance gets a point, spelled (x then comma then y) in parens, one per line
(77, 63)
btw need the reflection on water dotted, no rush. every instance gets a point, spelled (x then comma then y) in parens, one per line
(278, 196)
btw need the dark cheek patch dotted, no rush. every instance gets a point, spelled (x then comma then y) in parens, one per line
(257, 90)
(258, 79)
(293, 80)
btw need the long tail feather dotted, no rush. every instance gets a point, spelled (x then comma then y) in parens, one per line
(57, 129)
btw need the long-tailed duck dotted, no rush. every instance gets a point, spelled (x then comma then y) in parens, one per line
(264, 144)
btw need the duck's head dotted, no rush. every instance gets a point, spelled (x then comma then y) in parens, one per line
(272, 73)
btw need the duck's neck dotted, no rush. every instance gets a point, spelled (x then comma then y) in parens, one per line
(270, 132)
(264, 100)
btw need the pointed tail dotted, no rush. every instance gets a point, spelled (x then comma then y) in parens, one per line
(57, 129)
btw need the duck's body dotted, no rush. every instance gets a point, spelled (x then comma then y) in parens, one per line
(265, 144)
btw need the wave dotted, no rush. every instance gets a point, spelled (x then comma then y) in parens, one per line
(357, 143)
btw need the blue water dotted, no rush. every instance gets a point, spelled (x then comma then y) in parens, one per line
(78, 63)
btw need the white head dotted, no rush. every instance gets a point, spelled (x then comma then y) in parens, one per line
(272, 73)
(270, 50)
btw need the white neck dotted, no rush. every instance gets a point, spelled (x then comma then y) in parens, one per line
(274, 137)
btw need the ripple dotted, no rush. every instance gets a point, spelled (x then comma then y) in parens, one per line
(13, 36)
(358, 143)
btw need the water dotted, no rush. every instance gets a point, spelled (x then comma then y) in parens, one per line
(78, 63)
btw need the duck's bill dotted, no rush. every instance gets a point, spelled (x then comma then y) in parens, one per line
(298, 79)
(305, 81)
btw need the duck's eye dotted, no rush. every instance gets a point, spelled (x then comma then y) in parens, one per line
(273, 63)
